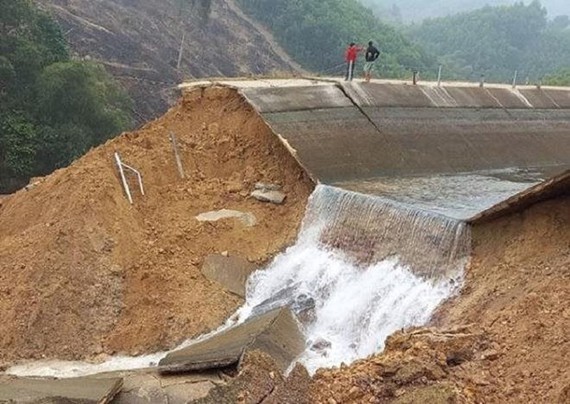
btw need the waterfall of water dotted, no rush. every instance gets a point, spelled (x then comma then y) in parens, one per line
(362, 268)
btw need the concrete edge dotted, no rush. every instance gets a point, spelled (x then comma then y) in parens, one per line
(191, 359)
(281, 139)
(80, 389)
(551, 188)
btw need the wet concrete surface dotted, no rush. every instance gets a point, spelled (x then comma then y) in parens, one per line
(276, 333)
(458, 196)
(77, 390)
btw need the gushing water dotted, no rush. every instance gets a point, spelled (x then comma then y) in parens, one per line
(362, 268)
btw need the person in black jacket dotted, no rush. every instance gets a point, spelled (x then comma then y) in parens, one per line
(371, 56)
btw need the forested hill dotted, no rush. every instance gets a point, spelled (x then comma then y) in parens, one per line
(138, 41)
(416, 10)
(316, 32)
(52, 108)
(496, 41)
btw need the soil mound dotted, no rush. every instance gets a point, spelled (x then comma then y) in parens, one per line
(518, 288)
(84, 273)
(517, 292)
(419, 366)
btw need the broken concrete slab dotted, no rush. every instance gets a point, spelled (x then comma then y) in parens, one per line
(262, 186)
(230, 271)
(277, 333)
(148, 387)
(275, 197)
(257, 377)
(84, 390)
(246, 218)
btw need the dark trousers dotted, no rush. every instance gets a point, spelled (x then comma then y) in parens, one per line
(350, 70)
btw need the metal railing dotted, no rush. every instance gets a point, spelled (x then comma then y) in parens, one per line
(121, 166)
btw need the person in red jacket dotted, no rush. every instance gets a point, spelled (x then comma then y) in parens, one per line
(350, 56)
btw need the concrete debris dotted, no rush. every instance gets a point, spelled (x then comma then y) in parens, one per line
(147, 387)
(276, 333)
(320, 345)
(262, 186)
(246, 218)
(230, 271)
(85, 390)
(276, 197)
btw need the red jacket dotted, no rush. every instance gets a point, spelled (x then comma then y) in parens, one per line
(352, 53)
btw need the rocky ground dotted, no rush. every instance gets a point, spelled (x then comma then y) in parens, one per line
(85, 274)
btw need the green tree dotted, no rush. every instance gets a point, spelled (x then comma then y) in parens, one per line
(496, 41)
(559, 78)
(79, 106)
(52, 109)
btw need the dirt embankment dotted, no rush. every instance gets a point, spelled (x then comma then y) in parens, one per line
(516, 302)
(84, 273)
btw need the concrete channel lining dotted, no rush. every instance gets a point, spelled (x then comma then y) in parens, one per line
(346, 143)
(84, 390)
(275, 99)
(276, 333)
(556, 186)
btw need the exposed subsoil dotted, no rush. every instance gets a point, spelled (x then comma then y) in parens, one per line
(515, 344)
(84, 274)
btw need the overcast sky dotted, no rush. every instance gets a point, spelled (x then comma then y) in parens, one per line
(419, 9)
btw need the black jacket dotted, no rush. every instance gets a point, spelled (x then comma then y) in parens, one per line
(372, 53)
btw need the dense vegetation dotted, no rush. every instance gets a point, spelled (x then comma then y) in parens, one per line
(316, 32)
(559, 78)
(496, 41)
(52, 108)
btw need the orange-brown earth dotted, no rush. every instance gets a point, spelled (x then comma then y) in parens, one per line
(515, 345)
(84, 273)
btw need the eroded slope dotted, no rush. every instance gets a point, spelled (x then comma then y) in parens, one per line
(84, 273)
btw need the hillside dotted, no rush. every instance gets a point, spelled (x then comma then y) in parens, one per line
(316, 33)
(496, 41)
(138, 41)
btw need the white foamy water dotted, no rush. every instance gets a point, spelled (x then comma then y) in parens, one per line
(356, 305)
(362, 268)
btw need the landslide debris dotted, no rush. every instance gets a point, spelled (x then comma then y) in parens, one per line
(84, 274)
(423, 365)
(258, 380)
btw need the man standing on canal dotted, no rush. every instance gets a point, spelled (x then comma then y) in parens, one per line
(350, 56)
(371, 56)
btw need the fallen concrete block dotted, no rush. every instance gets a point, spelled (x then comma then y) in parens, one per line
(84, 390)
(246, 218)
(262, 186)
(277, 333)
(148, 387)
(275, 197)
(229, 271)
